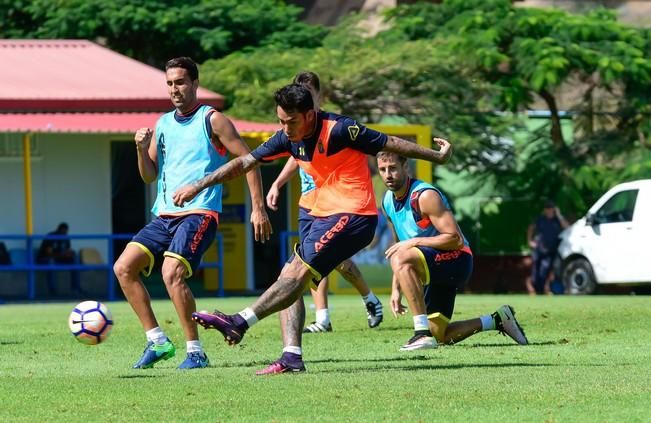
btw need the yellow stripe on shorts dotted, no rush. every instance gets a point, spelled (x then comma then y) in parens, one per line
(182, 259)
(148, 270)
(424, 261)
(312, 270)
(439, 316)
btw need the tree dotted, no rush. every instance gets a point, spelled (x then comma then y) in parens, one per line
(153, 31)
(533, 55)
(374, 80)
(248, 79)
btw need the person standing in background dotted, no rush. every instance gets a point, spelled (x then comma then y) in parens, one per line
(543, 240)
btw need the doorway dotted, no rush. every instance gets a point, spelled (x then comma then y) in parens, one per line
(128, 203)
(266, 261)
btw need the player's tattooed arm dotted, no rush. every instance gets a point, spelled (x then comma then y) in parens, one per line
(231, 170)
(412, 150)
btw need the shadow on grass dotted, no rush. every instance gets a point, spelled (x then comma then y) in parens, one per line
(404, 359)
(410, 357)
(436, 367)
(459, 366)
(138, 376)
(419, 361)
(477, 345)
(257, 363)
(11, 342)
(405, 365)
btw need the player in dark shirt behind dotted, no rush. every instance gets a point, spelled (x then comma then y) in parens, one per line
(332, 149)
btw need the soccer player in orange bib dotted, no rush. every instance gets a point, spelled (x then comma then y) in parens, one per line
(331, 149)
(347, 269)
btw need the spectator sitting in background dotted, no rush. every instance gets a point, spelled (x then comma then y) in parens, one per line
(56, 250)
(543, 241)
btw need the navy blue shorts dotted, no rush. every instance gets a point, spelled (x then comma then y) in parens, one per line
(305, 220)
(447, 272)
(185, 238)
(327, 241)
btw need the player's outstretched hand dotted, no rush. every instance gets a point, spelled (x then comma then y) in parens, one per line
(445, 149)
(272, 197)
(261, 224)
(396, 304)
(184, 194)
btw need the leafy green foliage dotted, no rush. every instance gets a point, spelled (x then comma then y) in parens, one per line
(249, 79)
(15, 18)
(374, 80)
(157, 30)
(532, 56)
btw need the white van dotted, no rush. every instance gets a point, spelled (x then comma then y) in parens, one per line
(611, 244)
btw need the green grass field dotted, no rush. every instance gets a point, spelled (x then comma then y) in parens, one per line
(588, 362)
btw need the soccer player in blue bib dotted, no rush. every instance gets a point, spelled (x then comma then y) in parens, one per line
(431, 261)
(191, 141)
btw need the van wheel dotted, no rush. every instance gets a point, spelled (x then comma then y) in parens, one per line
(578, 277)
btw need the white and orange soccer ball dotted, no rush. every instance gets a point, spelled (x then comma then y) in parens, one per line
(90, 322)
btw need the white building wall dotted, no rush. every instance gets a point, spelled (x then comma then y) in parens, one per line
(12, 204)
(71, 182)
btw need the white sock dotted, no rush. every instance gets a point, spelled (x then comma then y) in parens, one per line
(248, 315)
(421, 322)
(370, 298)
(156, 335)
(193, 346)
(487, 322)
(323, 317)
(293, 350)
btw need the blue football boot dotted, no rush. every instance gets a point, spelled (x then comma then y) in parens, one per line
(154, 353)
(195, 360)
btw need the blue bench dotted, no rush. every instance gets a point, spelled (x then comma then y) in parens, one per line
(21, 262)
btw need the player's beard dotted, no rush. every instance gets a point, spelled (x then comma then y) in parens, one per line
(397, 184)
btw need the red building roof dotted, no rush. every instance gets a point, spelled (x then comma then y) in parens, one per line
(59, 75)
(80, 86)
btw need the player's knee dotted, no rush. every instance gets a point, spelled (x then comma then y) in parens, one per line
(124, 270)
(294, 268)
(295, 276)
(173, 272)
(401, 261)
(346, 267)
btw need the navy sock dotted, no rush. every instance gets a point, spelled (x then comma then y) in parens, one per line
(291, 359)
(239, 322)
